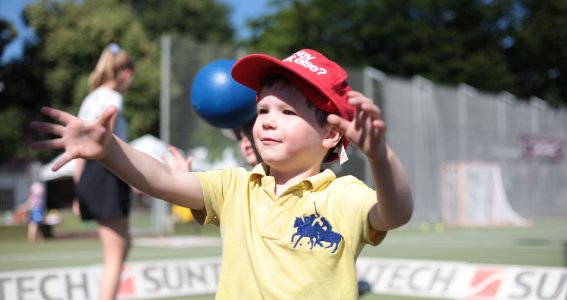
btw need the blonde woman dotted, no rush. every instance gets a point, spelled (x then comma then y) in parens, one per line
(102, 196)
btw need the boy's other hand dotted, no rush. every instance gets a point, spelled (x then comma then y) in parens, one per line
(367, 128)
(178, 162)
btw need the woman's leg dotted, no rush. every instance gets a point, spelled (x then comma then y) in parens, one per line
(33, 232)
(115, 238)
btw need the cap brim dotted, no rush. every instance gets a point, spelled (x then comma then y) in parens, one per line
(251, 70)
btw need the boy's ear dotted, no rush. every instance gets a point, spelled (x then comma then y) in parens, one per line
(332, 138)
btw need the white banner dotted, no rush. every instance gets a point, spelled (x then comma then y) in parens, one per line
(458, 280)
(143, 280)
(199, 276)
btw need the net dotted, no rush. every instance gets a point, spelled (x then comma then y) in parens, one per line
(474, 195)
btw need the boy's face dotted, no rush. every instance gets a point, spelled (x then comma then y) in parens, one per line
(247, 151)
(286, 132)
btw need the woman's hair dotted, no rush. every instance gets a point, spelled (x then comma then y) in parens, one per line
(112, 60)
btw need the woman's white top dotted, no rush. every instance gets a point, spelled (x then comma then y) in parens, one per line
(100, 99)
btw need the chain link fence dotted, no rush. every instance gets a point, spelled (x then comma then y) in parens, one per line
(428, 125)
(431, 125)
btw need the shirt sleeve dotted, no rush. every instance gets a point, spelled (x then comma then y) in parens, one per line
(216, 184)
(356, 201)
(209, 180)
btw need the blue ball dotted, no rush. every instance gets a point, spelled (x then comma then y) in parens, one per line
(219, 99)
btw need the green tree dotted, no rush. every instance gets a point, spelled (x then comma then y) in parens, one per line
(445, 41)
(68, 48)
(537, 50)
(200, 20)
(14, 100)
(69, 37)
(7, 34)
(201, 32)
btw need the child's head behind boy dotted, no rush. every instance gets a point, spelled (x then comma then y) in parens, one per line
(295, 96)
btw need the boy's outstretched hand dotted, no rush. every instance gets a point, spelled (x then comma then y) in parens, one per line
(80, 139)
(367, 128)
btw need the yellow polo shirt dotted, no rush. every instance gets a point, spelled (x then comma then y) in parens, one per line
(300, 245)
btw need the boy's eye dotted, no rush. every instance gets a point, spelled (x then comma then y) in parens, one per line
(262, 111)
(288, 112)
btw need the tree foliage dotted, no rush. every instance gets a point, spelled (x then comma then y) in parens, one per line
(70, 46)
(513, 45)
(69, 37)
(19, 86)
(446, 41)
(201, 20)
(537, 54)
(7, 34)
(201, 32)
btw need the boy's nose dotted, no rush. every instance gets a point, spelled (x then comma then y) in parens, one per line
(268, 122)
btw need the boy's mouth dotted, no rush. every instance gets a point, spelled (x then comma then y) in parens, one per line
(269, 141)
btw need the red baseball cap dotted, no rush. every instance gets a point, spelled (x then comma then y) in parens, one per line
(322, 81)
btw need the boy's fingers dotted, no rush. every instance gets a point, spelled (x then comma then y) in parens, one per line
(188, 162)
(46, 127)
(65, 158)
(366, 105)
(360, 118)
(108, 115)
(372, 109)
(340, 123)
(175, 153)
(355, 98)
(48, 144)
(354, 94)
(56, 114)
(355, 101)
(378, 124)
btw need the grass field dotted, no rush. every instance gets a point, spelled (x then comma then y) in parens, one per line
(543, 244)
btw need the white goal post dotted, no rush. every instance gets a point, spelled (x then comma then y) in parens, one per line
(473, 194)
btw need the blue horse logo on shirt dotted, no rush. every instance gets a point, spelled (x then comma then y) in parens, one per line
(318, 230)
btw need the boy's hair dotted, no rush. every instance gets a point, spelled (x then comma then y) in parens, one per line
(319, 79)
(272, 79)
(112, 60)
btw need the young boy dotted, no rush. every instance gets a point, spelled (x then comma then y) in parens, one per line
(289, 230)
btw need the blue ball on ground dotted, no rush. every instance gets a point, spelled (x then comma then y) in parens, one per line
(219, 99)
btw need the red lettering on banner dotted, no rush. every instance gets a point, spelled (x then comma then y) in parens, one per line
(485, 283)
(126, 287)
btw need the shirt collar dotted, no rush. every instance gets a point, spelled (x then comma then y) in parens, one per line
(260, 170)
(320, 180)
(315, 182)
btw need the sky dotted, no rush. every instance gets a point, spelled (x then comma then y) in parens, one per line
(12, 9)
